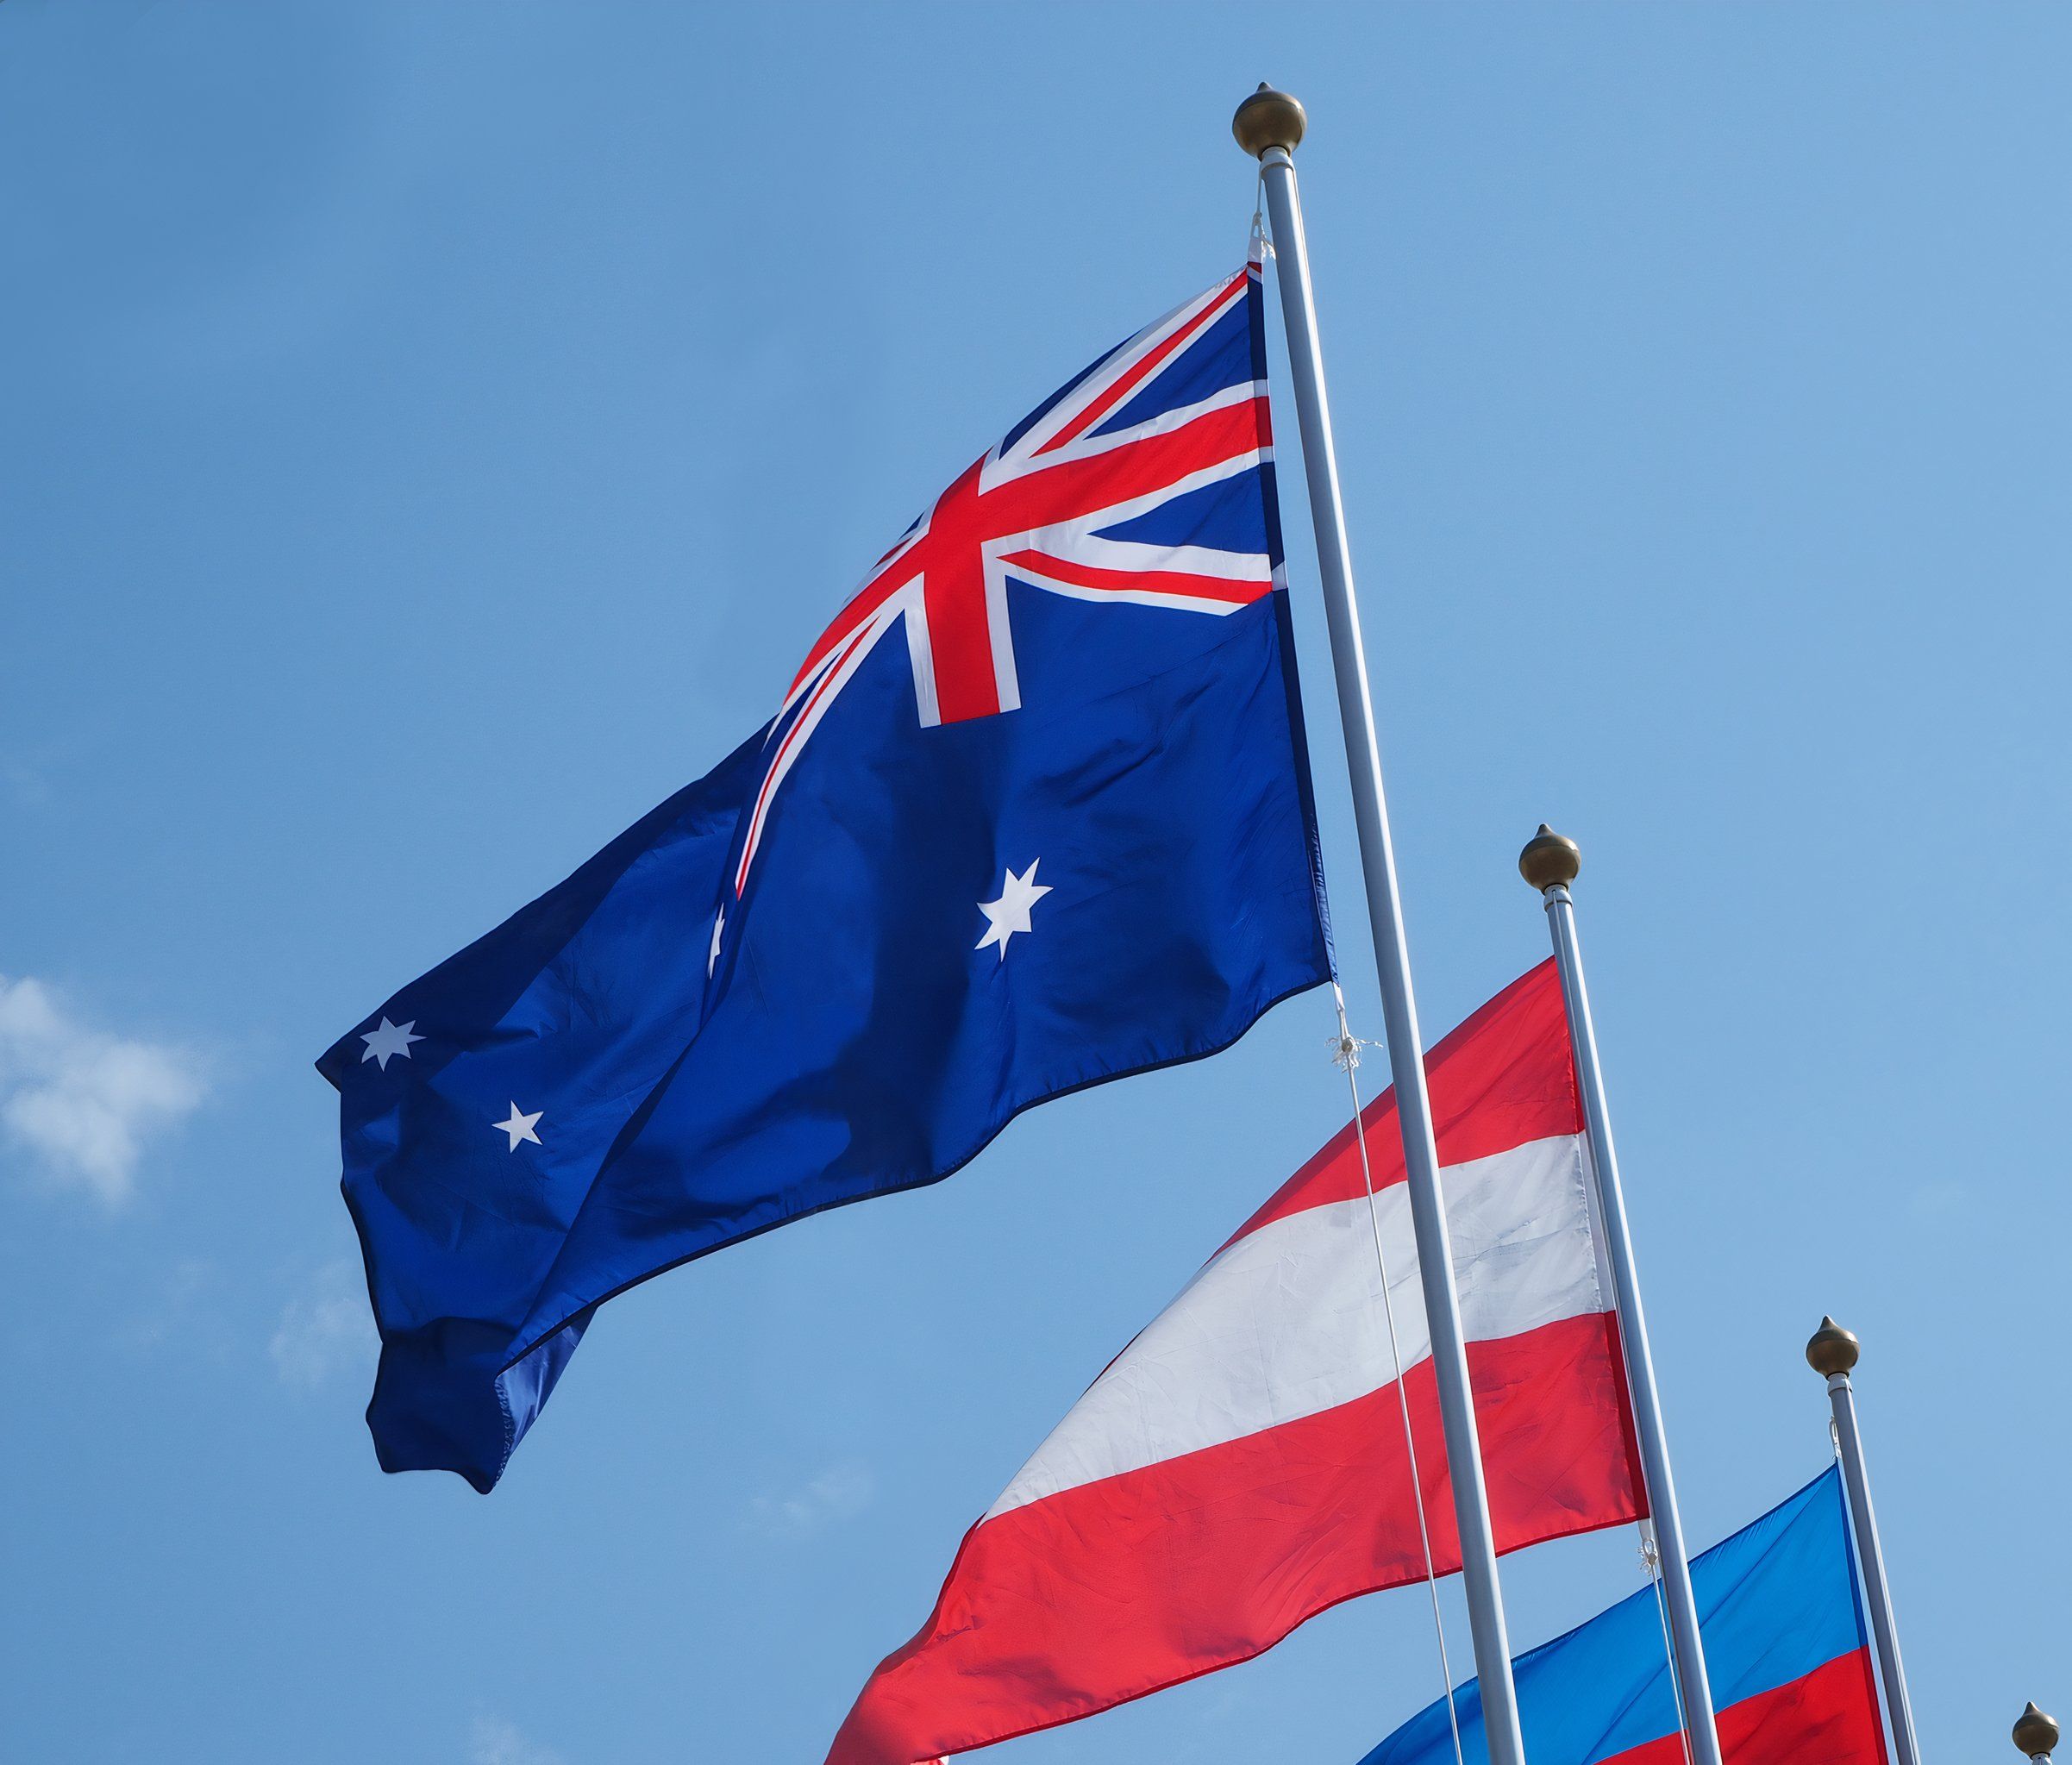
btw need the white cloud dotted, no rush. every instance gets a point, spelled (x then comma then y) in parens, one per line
(83, 1103)
(496, 1741)
(326, 1330)
(840, 1492)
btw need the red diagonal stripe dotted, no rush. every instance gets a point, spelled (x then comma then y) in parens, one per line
(1129, 382)
(1181, 582)
(867, 601)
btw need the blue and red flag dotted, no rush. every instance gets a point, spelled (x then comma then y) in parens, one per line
(1784, 1647)
(1033, 814)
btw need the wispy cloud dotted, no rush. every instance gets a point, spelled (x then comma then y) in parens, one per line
(325, 1331)
(496, 1741)
(81, 1102)
(840, 1492)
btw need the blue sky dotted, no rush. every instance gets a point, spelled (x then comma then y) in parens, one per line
(431, 434)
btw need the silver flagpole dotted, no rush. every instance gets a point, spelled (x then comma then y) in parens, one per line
(1549, 863)
(2036, 1736)
(1269, 125)
(1833, 1351)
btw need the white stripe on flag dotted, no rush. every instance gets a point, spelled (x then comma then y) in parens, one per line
(1287, 1322)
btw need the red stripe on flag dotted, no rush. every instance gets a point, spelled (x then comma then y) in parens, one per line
(1178, 582)
(1135, 376)
(1829, 1718)
(1067, 490)
(1117, 1588)
(1504, 1077)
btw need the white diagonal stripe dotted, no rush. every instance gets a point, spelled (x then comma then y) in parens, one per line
(1125, 358)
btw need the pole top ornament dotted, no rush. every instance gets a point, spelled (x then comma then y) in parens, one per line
(1832, 1349)
(1269, 119)
(1550, 858)
(2035, 1733)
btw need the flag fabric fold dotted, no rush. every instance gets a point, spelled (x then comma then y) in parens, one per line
(1784, 1648)
(1033, 815)
(1241, 1465)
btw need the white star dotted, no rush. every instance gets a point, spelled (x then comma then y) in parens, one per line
(519, 1127)
(388, 1039)
(1010, 914)
(712, 956)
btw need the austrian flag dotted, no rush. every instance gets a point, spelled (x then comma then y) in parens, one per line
(1242, 1466)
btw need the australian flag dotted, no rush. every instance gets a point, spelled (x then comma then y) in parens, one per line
(1035, 813)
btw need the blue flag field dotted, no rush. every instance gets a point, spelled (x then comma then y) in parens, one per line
(1784, 1645)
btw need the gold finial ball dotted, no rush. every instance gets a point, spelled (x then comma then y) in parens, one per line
(1550, 858)
(2036, 1734)
(1832, 1349)
(1269, 119)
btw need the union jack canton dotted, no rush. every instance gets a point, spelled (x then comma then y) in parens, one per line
(1054, 505)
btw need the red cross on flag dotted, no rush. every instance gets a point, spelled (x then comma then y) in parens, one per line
(1069, 502)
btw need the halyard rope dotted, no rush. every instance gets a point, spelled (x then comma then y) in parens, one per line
(1347, 1059)
(1651, 1566)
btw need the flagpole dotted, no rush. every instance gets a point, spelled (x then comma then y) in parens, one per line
(1549, 863)
(2035, 1735)
(1833, 1351)
(1269, 125)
